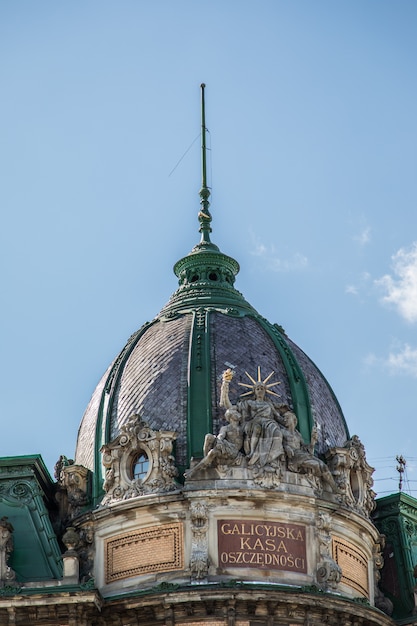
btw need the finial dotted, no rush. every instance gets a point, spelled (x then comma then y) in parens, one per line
(204, 215)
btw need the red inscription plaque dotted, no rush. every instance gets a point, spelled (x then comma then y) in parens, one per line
(264, 545)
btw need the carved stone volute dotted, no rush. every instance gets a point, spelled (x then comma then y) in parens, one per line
(139, 461)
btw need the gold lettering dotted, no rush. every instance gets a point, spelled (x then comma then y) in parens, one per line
(269, 545)
(244, 544)
(261, 544)
(224, 557)
(281, 546)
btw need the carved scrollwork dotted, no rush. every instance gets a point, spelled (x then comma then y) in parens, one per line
(199, 562)
(86, 551)
(139, 461)
(381, 601)
(353, 476)
(21, 491)
(328, 573)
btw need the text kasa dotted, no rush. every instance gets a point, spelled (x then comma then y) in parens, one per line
(262, 545)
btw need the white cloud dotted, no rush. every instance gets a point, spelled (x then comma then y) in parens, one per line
(363, 237)
(360, 287)
(404, 361)
(401, 287)
(275, 263)
(352, 290)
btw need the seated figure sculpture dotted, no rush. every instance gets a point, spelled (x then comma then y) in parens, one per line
(224, 448)
(300, 457)
(260, 418)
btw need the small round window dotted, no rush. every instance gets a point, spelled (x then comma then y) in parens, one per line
(140, 466)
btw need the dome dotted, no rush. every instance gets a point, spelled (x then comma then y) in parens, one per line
(151, 377)
(219, 461)
(169, 373)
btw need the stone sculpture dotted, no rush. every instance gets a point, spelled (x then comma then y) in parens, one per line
(328, 573)
(300, 457)
(138, 440)
(71, 489)
(353, 476)
(260, 437)
(6, 548)
(199, 562)
(263, 435)
(224, 448)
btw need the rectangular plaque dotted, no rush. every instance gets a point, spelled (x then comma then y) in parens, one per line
(154, 549)
(354, 565)
(264, 545)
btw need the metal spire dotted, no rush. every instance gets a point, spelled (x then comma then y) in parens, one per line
(204, 216)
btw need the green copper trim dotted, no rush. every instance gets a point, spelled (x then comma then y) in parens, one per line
(298, 385)
(103, 434)
(199, 418)
(27, 500)
(204, 215)
(396, 518)
(206, 276)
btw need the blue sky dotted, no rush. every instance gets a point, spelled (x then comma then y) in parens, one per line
(311, 108)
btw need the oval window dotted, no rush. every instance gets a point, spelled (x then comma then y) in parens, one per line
(140, 466)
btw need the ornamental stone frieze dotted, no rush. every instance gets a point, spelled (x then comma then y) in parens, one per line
(138, 462)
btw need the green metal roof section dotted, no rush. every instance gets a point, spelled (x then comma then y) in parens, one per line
(396, 518)
(199, 419)
(26, 499)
